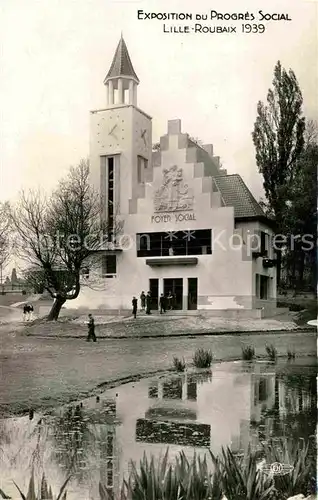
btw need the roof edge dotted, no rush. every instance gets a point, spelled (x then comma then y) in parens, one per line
(263, 218)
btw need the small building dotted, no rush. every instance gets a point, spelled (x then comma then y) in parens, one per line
(187, 228)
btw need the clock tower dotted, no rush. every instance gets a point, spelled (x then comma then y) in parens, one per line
(120, 140)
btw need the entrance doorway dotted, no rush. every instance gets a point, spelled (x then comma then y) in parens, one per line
(173, 287)
(154, 292)
(192, 293)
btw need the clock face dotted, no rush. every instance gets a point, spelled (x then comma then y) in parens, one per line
(115, 131)
(142, 137)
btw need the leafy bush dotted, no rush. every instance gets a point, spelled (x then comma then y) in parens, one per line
(202, 358)
(248, 353)
(271, 352)
(179, 364)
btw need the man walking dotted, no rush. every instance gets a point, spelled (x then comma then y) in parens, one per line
(134, 307)
(91, 329)
(162, 303)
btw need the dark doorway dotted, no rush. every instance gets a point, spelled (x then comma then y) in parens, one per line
(192, 293)
(154, 292)
(264, 281)
(173, 287)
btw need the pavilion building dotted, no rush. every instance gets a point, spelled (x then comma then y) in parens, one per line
(180, 224)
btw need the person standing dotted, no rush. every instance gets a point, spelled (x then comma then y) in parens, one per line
(148, 303)
(134, 306)
(162, 303)
(170, 299)
(143, 300)
(31, 311)
(25, 312)
(91, 329)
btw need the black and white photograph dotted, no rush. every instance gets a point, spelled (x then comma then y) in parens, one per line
(158, 248)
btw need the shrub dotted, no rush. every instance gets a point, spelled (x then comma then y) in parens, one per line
(202, 358)
(179, 364)
(271, 352)
(248, 353)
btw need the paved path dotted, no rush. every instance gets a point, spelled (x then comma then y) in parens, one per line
(155, 325)
(43, 372)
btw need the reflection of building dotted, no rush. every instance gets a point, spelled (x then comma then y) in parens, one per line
(173, 203)
(233, 408)
(183, 412)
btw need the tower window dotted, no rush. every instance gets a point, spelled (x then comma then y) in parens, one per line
(142, 164)
(264, 243)
(109, 165)
(110, 192)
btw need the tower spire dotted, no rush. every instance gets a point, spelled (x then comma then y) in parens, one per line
(121, 77)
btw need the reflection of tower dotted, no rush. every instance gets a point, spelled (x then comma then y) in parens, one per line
(108, 458)
(102, 414)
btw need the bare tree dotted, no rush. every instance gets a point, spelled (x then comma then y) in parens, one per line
(62, 234)
(5, 230)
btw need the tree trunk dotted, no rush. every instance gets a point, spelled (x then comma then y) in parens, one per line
(279, 265)
(56, 308)
(301, 269)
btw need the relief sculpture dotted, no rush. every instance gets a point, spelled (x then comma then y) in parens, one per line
(173, 195)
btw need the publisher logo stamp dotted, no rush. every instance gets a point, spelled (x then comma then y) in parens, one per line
(277, 469)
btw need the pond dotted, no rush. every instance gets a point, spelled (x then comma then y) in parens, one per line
(233, 404)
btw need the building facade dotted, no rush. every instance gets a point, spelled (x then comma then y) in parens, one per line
(181, 226)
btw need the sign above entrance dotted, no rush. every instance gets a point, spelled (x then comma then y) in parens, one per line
(173, 195)
(178, 217)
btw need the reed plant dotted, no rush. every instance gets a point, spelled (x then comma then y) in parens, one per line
(184, 480)
(248, 353)
(271, 352)
(179, 364)
(291, 354)
(202, 358)
(45, 491)
(302, 475)
(209, 478)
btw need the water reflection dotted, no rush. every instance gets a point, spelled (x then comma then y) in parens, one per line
(234, 405)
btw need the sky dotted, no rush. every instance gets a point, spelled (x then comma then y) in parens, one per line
(56, 53)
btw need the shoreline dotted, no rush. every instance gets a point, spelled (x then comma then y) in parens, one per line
(119, 381)
(173, 335)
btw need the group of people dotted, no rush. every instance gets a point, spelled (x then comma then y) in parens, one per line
(145, 305)
(165, 302)
(28, 312)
